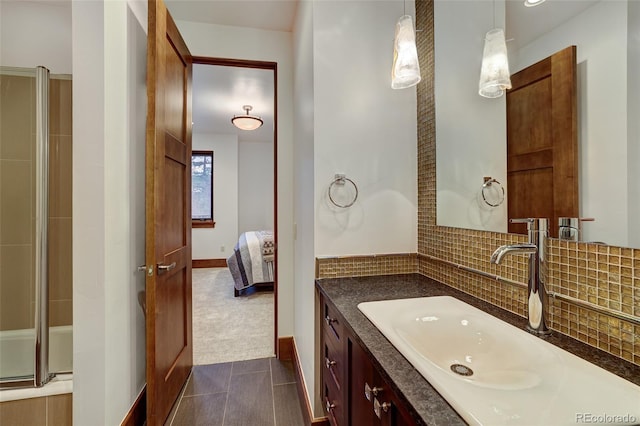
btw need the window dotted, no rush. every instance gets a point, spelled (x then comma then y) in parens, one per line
(202, 189)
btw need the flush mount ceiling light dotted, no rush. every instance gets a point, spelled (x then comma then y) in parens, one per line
(531, 3)
(406, 69)
(246, 121)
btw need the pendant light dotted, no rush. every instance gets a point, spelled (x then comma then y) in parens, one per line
(406, 69)
(246, 121)
(494, 74)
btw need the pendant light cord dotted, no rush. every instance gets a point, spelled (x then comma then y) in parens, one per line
(494, 13)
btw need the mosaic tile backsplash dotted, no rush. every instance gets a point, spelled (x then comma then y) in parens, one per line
(605, 276)
(358, 266)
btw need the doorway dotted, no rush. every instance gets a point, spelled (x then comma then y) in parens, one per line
(228, 324)
(542, 141)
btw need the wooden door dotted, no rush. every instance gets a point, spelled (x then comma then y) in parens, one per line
(168, 214)
(542, 141)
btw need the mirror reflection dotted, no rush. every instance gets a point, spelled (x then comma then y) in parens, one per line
(471, 131)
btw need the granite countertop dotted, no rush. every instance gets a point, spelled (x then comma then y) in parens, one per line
(424, 402)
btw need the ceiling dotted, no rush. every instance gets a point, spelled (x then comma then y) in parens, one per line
(525, 24)
(275, 15)
(220, 92)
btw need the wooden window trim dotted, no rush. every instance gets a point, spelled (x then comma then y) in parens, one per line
(202, 223)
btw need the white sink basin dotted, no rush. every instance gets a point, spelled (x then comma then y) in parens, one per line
(503, 375)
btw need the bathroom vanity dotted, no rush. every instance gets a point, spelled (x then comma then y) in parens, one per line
(365, 380)
(354, 390)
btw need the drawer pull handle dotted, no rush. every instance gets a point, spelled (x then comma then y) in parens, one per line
(369, 391)
(329, 320)
(330, 406)
(329, 363)
(379, 408)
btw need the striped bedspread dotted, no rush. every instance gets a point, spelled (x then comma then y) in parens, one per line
(252, 259)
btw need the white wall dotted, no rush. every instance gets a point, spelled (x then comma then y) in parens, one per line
(218, 242)
(470, 129)
(364, 129)
(305, 200)
(348, 120)
(36, 33)
(243, 43)
(109, 55)
(89, 221)
(255, 186)
(600, 34)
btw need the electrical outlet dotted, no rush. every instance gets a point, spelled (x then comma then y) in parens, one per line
(222, 249)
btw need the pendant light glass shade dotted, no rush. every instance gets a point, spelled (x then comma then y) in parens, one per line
(494, 75)
(246, 122)
(531, 3)
(406, 69)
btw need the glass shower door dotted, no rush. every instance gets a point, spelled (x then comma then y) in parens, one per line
(24, 162)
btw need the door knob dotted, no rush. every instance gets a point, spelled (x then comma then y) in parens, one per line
(143, 268)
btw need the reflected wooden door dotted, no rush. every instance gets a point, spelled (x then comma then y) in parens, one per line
(542, 141)
(168, 214)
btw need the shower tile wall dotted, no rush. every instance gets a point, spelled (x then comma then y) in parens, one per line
(17, 202)
(55, 410)
(60, 280)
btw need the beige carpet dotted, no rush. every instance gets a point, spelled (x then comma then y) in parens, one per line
(227, 328)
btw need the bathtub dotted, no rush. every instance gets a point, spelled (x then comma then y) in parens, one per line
(14, 344)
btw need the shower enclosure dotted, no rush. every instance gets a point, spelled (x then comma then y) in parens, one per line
(35, 226)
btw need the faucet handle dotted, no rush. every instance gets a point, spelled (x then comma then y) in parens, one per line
(529, 221)
(533, 223)
(525, 220)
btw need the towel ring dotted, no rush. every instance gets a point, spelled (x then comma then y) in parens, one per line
(340, 180)
(488, 182)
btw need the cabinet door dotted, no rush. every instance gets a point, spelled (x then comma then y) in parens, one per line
(360, 379)
(370, 398)
(389, 409)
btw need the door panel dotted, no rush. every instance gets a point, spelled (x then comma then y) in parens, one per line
(542, 141)
(168, 220)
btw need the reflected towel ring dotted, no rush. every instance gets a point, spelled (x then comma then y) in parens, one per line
(487, 184)
(340, 180)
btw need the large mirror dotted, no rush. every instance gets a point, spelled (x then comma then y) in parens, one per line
(471, 130)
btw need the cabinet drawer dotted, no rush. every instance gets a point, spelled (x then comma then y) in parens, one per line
(332, 323)
(333, 362)
(333, 401)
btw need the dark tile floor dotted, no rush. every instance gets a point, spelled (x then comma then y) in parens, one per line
(260, 392)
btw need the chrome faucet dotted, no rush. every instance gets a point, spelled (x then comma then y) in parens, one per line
(537, 295)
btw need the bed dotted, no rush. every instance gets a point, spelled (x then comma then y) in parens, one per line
(252, 261)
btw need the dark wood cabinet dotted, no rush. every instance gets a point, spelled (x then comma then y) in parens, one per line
(333, 363)
(354, 392)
